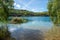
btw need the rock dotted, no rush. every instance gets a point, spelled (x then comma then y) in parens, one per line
(16, 20)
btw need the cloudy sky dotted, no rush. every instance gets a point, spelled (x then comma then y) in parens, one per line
(31, 5)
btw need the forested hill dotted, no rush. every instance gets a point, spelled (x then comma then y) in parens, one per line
(16, 12)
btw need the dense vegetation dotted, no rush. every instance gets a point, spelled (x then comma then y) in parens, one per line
(5, 5)
(4, 8)
(54, 10)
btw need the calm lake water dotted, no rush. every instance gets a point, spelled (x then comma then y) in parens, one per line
(37, 23)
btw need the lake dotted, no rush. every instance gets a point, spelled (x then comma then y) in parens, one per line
(31, 30)
(38, 23)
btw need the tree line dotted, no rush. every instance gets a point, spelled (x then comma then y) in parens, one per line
(27, 13)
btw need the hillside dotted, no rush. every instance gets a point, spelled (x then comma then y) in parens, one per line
(16, 12)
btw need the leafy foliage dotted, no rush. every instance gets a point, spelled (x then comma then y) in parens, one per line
(4, 8)
(54, 10)
(5, 5)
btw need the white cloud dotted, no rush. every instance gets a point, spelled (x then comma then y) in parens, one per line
(14, 4)
(17, 6)
(33, 9)
(25, 6)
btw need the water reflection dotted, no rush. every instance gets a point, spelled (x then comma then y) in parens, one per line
(28, 34)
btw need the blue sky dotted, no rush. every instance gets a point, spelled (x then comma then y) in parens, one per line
(31, 5)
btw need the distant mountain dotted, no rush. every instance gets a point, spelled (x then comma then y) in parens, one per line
(27, 34)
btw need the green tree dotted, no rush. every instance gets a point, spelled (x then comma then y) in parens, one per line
(5, 6)
(54, 10)
(4, 14)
